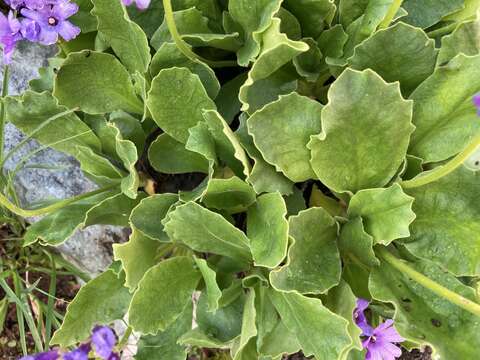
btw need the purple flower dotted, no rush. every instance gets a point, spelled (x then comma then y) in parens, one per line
(48, 22)
(49, 355)
(114, 356)
(81, 353)
(476, 102)
(380, 345)
(141, 4)
(31, 4)
(104, 341)
(9, 35)
(360, 319)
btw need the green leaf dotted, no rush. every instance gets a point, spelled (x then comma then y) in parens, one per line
(314, 232)
(233, 195)
(83, 18)
(201, 142)
(97, 167)
(3, 312)
(34, 114)
(282, 130)
(213, 292)
(386, 213)
(126, 38)
(152, 308)
(423, 317)
(99, 302)
(167, 155)
(228, 146)
(198, 338)
(277, 50)
(46, 77)
(309, 64)
(331, 41)
(366, 131)
(355, 244)
(425, 13)
(319, 332)
(447, 230)
(463, 40)
(227, 100)
(147, 216)
(267, 229)
(169, 56)
(469, 11)
(254, 19)
(313, 15)
(148, 20)
(206, 231)
(176, 101)
(399, 53)
(130, 128)
(96, 83)
(443, 131)
(138, 247)
(164, 345)
(281, 340)
(249, 328)
(350, 10)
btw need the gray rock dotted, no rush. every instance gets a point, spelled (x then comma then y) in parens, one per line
(50, 174)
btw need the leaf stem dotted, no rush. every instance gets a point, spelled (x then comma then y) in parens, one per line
(57, 206)
(390, 14)
(428, 283)
(182, 45)
(443, 170)
(6, 76)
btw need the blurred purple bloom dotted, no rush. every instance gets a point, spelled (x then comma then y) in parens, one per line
(31, 4)
(380, 345)
(51, 21)
(360, 319)
(114, 356)
(141, 4)
(476, 102)
(81, 353)
(49, 355)
(104, 341)
(9, 35)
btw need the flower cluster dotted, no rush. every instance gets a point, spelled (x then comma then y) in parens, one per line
(41, 21)
(102, 342)
(379, 342)
(141, 4)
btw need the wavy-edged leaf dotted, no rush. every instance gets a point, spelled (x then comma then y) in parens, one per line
(355, 244)
(313, 264)
(232, 195)
(206, 231)
(267, 229)
(167, 155)
(227, 100)
(176, 101)
(249, 328)
(313, 15)
(99, 302)
(386, 213)
(318, 331)
(282, 130)
(442, 131)
(423, 317)
(126, 38)
(425, 13)
(447, 230)
(464, 39)
(212, 290)
(162, 294)
(399, 53)
(97, 83)
(366, 131)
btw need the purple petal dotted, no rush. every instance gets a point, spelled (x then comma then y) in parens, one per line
(49, 355)
(63, 10)
(33, 15)
(81, 353)
(67, 30)
(362, 304)
(104, 341)
(30, 30)
(127, 2)
(48, 36)
(143, 4)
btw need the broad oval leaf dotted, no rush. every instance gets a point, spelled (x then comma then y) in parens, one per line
(355, 244)
(233, 195)
(366, 131)
(425, 13)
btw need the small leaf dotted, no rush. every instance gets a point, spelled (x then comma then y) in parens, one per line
(99, 302)
(227, 100)
(196, 337)
(176, 101)
(249, 328)
(206, 231)
(313, 15)
(399, 53)
(126, 38)
(232, 194)
(423, 317)
(386, 213)
(319, 332)
(267, 229)
(210, 278)
(152, 308)
(366, 131)
(447, 230)
(443, 131)
(355, 244)
(315, 247)
(169, 156)
(97, 83)
(282, 130)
